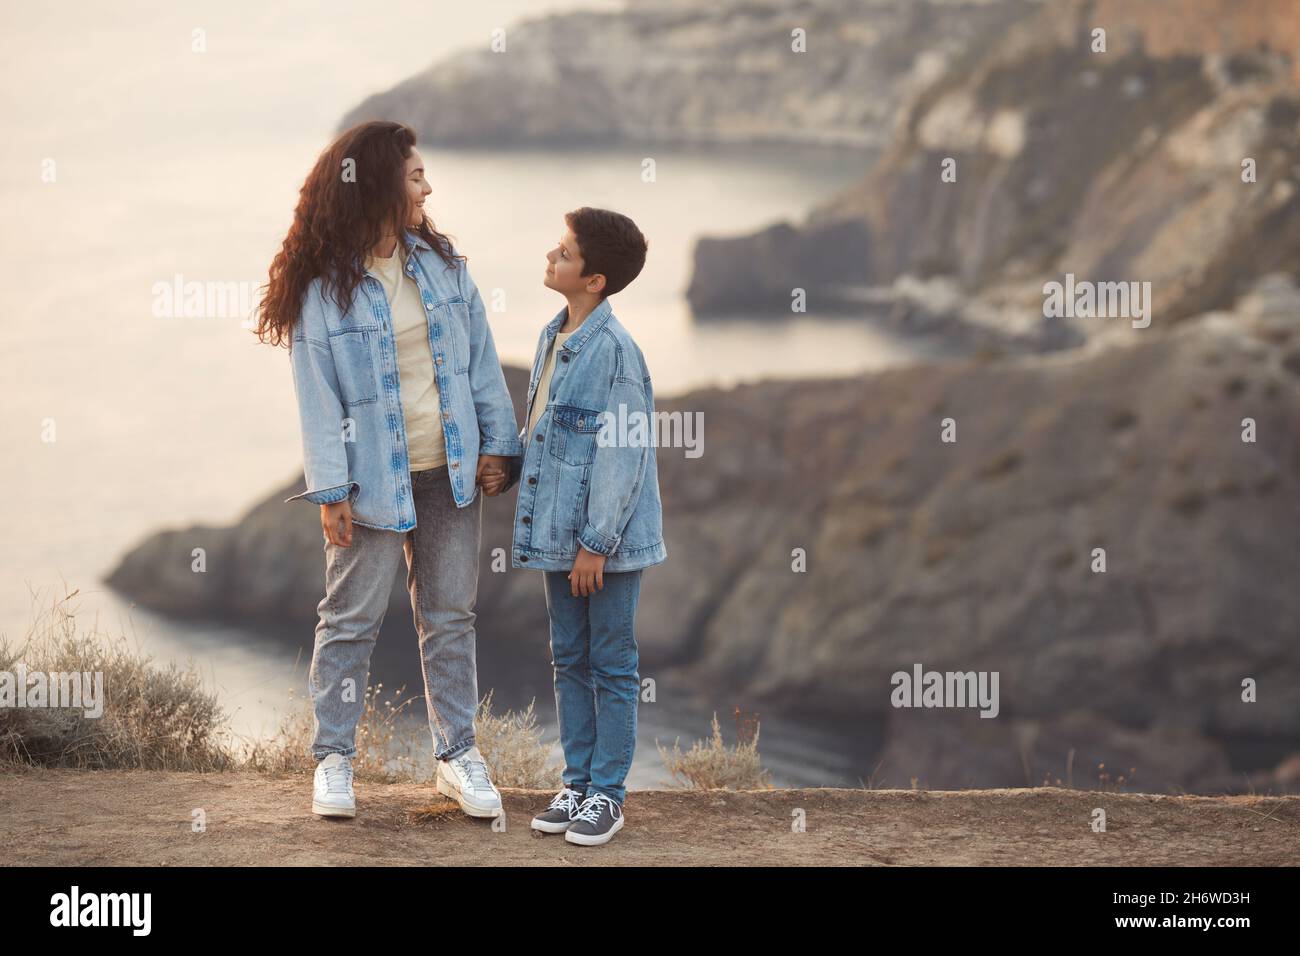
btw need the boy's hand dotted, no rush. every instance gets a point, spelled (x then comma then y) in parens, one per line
(491, 476)
(588, 574)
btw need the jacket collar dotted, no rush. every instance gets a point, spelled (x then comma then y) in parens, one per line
(592, 324)
(414, 239)
(411, 240)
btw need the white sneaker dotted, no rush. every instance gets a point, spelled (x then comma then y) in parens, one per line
(465, 779)
(333, 796)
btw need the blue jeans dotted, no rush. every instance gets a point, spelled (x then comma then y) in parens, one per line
(594, 653)
(442, 553)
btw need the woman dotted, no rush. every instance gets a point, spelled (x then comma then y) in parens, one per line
(401, 399)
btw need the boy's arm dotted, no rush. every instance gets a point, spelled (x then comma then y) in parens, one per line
(498, 432)
(619, 470)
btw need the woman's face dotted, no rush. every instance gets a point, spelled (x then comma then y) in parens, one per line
(417, 188)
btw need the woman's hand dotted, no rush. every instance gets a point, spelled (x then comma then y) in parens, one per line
(336, 520)
(492, 483)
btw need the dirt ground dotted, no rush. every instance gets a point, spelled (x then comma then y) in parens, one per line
(109, 818)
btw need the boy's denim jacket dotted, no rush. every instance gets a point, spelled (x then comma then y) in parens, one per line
(573, 489)
(345, 376)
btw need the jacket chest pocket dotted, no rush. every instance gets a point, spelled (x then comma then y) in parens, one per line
(353, 366)
(457, 316)
(573, 434)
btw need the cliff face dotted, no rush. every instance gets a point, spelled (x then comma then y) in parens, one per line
(1125, 164)
(1214, 27)
(974, 555)
(679, 71)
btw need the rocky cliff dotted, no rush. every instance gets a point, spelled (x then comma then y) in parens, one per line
(678, 71)
(1123, 164)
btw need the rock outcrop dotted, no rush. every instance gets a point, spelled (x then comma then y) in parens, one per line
(1118, 165)
(675, 71)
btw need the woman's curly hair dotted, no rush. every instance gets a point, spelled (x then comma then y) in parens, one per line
(353, 197)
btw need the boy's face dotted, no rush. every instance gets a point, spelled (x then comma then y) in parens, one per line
(564, 267)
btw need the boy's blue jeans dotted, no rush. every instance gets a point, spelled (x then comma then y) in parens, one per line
(594, 653)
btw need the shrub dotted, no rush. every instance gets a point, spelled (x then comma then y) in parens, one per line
(714, 765)
(512, 746)
(389, 748)
(152, 718)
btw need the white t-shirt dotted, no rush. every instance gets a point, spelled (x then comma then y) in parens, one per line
(421, 408)
(544, 384)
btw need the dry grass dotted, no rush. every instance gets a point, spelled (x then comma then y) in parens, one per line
(390, 746)
(394, 746)
(153, 718)
(712, 764)
(157, 718)
(512, 746)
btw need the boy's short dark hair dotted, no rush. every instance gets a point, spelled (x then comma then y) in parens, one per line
(610, 244)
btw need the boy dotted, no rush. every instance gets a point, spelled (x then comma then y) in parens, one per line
(588, 514)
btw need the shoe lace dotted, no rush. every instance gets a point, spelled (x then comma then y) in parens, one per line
(338, 778)
(591, 807)
(477, 772)
(566, 800)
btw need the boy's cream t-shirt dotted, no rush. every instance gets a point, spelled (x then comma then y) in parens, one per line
(543, 393)
(421, 408)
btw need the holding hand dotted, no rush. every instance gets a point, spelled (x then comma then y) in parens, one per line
(491, 476)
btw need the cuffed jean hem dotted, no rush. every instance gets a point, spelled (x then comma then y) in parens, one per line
(455, 750)
(617, 794)
(321, 754)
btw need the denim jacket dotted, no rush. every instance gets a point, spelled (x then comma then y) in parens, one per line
(573, 488)
(345, 377)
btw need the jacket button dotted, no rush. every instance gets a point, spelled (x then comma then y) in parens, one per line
(523, 558)
(455, 465)
(539, 437)
(564, 358)
(438, 360)
(527, 520)
(532, 480)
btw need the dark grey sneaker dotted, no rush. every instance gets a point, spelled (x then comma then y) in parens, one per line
(557, 817)
(597, 820)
